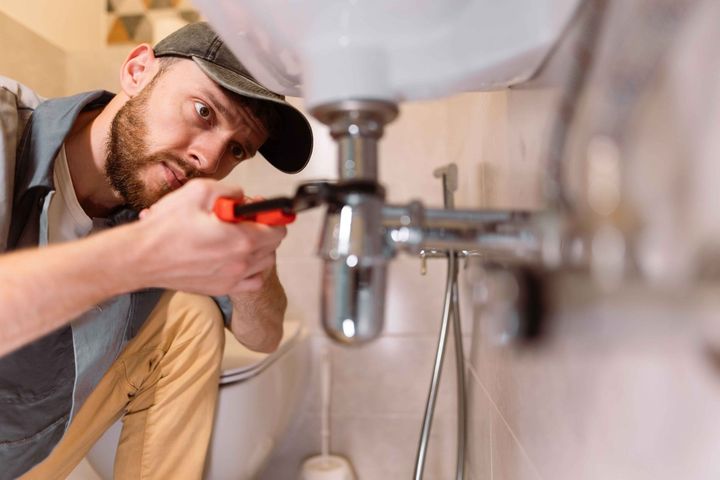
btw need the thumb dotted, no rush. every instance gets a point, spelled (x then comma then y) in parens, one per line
(210, 190)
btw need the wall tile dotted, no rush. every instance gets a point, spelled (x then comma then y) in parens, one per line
(622, 390)
(301, 441)
(509, 460)
(479, 431)
(384, 447)
(390, 376)
(301, 279)
(414, 302)
(476, 143)
(413, 146)
(303, 237)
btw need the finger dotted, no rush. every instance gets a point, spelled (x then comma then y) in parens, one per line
(144, 213)
(209, 190)
(262, 237)
(260, 265)
(250, 284)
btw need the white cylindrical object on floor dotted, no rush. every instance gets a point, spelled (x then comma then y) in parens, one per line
(326, 467)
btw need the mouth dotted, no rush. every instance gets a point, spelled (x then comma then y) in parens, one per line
(174, 177)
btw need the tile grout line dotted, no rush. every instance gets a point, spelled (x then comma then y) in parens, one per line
(492, 474)
(507, 425)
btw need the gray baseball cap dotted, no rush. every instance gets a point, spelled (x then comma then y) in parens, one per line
(289, 147)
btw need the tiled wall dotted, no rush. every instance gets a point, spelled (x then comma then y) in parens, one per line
(379, 390)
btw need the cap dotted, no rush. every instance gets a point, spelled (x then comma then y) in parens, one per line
(289, 147)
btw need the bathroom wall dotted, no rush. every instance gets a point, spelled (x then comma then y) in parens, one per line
(41, 73)
(625, 384)
(72, 25)
(379, 390)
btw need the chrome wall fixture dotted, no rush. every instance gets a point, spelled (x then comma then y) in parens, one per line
(361, 233)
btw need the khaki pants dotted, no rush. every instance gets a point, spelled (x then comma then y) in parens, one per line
(165, 384)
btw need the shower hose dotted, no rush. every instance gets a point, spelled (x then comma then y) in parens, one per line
(451, 312)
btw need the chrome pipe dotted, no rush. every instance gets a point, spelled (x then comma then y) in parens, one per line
(522, 245)
(356, 126)
(461, 394)
(352, 245)
(394, 215)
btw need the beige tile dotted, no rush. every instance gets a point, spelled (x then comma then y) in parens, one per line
(413, 146)
(476, 143)
(479, 431)
(301, 279)
(414, 302)
(498, 140)
(312, 403)
(301, 441)
(609, 395)
(303, 236)
(390, 376)
(508, 459)
(385, 447)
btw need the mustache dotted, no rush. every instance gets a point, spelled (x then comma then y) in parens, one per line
(188, 169)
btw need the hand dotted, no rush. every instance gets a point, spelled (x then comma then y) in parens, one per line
(183, 246)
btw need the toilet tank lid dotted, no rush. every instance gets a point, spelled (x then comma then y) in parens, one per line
(240, 361)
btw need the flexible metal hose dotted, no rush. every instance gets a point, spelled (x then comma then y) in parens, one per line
(450, 312)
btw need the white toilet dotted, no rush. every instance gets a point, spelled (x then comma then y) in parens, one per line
(259, 394)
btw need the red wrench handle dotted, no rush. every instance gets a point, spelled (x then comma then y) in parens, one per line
(234, 210)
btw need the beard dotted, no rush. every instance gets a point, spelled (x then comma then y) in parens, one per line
(128, 154)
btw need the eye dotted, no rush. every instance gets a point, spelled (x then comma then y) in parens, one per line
(237, 151)
(202, 110)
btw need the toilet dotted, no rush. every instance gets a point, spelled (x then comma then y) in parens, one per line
(259, 394)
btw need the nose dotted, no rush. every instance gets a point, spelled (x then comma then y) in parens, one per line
(206, 153)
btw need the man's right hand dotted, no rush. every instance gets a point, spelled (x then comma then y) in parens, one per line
(183, 246)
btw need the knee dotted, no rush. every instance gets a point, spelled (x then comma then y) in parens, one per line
(201, 321)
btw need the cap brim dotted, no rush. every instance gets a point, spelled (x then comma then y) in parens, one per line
(289, 147)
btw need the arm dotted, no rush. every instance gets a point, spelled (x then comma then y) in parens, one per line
(177, 245)
(257, 319)
(42, 289)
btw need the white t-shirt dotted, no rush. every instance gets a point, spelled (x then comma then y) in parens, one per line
(66, 218)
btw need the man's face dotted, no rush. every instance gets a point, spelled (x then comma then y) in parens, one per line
(181, 125)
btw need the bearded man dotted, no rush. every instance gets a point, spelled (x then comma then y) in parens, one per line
(102, 315)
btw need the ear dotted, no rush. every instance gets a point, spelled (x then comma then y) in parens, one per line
(138, 70)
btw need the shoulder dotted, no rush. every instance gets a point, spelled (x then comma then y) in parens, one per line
(14, 94)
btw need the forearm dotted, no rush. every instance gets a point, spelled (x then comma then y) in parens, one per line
(257, 320)
(178, 245)
(41, 289)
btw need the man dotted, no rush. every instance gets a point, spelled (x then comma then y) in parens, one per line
(86, 333)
